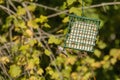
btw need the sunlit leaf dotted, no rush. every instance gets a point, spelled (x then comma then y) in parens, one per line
(55, 75)
(41, 19)
(47, 52)
(1, 1)
(32, 78)
(24, 47)
(69, 2)
(29, 33)
(40, 71)
(31, 7)
(75, 11)
(107, 57)
(3, 39)
(15, 70)
(113, 60)
(54, 40)
(102, 45)
(96, 65)
(106, 65)
(64, 6)
(21, 11)
(47, 25)
(31, 63)
(65, 20)
(74, 75)
(4, 59)
(70, 60)
(97, 53)
(32, 23)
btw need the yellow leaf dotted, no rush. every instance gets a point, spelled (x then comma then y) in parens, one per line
(74, 75)
(113, 60)
(4, 59)
(54, 40)
(96, 65)
(31, 72)
(32, 78)
(55, 75)
(65, 20)
(30, 65)
(115, 53)
(31, 7)
(29, 32)
(20, 11)
(41, 19)
(32, 42)
(75, 11)
(97, 53)
(15, 71)
(106, 65)
(40, 71)
(70, 60)
(60, 31)
(24, 47)
(106, 57)
(3, 39)
(47, 25)
(33, 24)
(69, 2)
(1, 1)
(47, 52)
(102, 45)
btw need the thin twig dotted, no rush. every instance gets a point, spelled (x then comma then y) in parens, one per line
(28, 12)
(6, 10)
(43, 6)
(88, 7)
(11, 3)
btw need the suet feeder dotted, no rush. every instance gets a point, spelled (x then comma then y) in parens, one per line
(82, 33)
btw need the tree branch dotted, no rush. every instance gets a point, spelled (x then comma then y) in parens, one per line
(43, 6)
(6, 10)
(87, 7)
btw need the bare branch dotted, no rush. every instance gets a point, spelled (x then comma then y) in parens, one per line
(6, 10)
(11, 3)
(87, 7)
(43, 6)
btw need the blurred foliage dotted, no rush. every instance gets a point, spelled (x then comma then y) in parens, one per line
(30, 36)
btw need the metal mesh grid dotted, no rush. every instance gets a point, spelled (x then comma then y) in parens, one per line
(82, 33)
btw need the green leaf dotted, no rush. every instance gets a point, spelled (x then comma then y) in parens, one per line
(41, 19)
(97, 53)
(47, 52)
(80, 1)
(65, 20)
(33, 24)
(69, 2)
(24, 47)
(64, 6)
(15, 71)
(75, 10)
(102, 45)
(47, 25)
(20, 11)
(54, 40)
(3, 39)
(31, 7)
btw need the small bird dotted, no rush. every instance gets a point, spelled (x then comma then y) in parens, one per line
(61, 50)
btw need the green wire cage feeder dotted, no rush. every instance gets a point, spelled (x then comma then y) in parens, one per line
(82, 33)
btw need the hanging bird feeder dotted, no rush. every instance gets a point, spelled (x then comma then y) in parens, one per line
(82, 33)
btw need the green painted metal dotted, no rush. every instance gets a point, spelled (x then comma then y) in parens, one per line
(82, 33)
